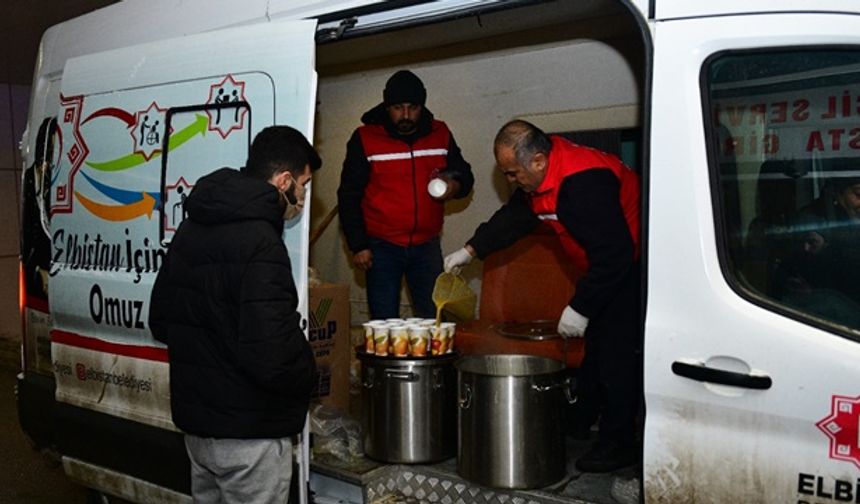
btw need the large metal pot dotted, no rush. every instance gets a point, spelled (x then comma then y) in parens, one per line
(510, 432)
(409, 408)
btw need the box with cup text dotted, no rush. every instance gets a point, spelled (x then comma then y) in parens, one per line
(329, 336)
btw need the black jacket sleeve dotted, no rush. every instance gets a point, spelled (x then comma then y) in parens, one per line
(589, 208)
(353, 180)
(160, 302)
(458, 169)
(272, 349)
(511, 222)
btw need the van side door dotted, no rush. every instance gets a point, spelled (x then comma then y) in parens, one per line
(752, 336)
(137, 127)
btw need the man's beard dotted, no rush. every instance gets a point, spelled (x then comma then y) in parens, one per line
(405, 126)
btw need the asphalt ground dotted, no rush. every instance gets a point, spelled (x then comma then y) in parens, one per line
(26, 475)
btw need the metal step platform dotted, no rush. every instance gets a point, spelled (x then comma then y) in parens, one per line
(376, 483)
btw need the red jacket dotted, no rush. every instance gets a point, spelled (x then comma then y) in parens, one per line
(567, 158)
(396, 205)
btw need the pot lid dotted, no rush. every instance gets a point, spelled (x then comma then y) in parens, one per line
(535, 330)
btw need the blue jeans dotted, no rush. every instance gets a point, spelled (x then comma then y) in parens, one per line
(421, 264)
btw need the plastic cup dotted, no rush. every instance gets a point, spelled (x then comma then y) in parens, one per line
(399, 338)
(369, 345)
(437, 340)
(437, 187)
(450, 329)
(380, 339)
(419, 340)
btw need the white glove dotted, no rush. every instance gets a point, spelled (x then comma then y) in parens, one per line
(572, 324)
(456, 260)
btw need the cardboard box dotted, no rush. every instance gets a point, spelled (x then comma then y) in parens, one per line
(329, 335)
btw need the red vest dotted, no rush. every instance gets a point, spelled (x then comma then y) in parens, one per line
(567, 158)
(396, 205)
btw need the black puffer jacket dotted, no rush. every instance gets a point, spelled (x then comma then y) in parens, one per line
(225, 303)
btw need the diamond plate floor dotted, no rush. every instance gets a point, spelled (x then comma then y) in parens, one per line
(440, 484)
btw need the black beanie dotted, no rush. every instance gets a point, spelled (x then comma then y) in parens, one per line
(404, 87)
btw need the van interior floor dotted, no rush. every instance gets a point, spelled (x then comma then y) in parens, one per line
(440, 483)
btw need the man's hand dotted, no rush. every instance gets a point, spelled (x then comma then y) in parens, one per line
(572, 324)
(455, 261)
(453, 189)
(363, 259)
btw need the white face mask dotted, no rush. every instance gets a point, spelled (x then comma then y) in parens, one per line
(295, 199)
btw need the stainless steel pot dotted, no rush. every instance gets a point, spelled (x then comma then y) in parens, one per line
(409, 408)
(510, 432)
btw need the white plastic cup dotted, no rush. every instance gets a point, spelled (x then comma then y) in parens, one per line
(369, 344)
(419, 340)
(381, 339)
(437, 187)
(450, 329)
(398, 341)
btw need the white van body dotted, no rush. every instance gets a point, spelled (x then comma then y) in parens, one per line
(748, 399)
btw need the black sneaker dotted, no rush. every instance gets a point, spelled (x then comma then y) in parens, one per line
(607, 456)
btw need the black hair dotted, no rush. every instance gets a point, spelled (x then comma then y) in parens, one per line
(525, 139)
(280, 148)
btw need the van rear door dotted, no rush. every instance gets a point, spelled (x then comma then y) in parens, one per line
(137, 127)
(752, 337)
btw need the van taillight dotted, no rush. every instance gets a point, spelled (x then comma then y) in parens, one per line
(22, 309)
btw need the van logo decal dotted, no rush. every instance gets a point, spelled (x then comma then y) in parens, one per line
(841, 426)
(227, 120)
(177, 138)
(136, 203)
(118, 213)
(124, 196)
(174, 211)
(118, 113)
(77, 151)
(148, 129)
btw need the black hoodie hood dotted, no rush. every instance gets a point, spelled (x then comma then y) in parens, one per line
(227, 195)
(378, 115)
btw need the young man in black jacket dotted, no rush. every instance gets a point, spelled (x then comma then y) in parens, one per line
(224, 303)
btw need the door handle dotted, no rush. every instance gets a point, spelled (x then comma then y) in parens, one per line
(703, 373)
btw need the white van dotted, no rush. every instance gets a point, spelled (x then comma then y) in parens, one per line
(741, 116)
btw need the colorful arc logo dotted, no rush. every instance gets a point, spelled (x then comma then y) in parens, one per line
(842, 426)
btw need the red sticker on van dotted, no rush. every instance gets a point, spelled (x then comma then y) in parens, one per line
(841, 426)
(232, 118)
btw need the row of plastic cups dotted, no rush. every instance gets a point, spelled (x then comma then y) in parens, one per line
(408, 337)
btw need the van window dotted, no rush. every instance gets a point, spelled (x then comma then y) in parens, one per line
(784, 148)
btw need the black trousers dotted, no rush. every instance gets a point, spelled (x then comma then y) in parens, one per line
(609, 382)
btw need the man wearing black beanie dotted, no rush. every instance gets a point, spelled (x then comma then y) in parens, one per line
(400, 168)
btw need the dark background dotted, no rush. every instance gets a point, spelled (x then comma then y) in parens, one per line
(22, 23)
